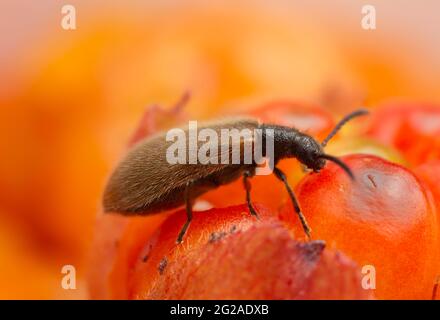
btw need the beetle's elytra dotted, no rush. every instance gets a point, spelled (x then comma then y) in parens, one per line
(144, 182)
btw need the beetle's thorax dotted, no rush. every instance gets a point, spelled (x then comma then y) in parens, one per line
(291, 143)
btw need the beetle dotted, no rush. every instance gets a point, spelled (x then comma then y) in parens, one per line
(144, 182)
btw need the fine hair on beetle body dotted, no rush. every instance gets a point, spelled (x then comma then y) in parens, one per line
(146, 181)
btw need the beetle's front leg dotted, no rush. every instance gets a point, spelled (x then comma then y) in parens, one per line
(280, 175)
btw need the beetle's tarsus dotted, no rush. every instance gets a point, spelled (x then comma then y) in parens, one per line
(253, 211)
(183, 231)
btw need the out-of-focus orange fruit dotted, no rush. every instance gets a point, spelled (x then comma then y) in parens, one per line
(28, 273)
(429, 173)
(364, 145)
(412, 128)
(115, 251)
(105, 248)
(384, 218)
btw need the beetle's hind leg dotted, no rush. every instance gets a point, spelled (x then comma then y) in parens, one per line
(188, 206)
(280, 175)
(247, 186)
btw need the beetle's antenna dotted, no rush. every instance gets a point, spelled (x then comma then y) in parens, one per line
(339, 163)
(341, 123)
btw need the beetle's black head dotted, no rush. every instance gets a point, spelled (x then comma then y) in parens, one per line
(311, 153)
(293, 143)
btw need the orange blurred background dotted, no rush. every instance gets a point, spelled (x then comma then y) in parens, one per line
(70, 99)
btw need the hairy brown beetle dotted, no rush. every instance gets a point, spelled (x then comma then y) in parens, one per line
(146, 183)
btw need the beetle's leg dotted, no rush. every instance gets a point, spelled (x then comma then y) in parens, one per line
(188, 205)
(247, 186)
(280, 175)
